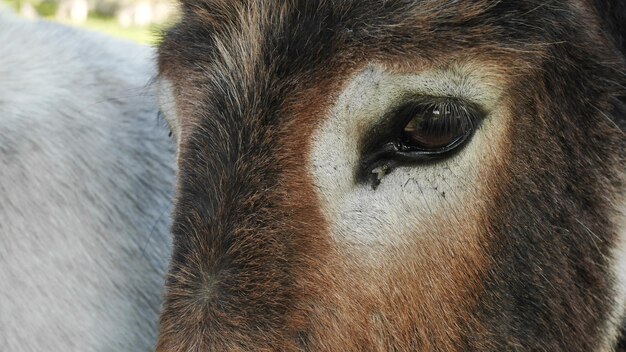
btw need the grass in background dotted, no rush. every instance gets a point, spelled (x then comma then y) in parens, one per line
(142, 35)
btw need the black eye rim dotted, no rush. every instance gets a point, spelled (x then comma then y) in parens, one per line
(383, 148)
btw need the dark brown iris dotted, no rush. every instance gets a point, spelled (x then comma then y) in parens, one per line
(436, 126)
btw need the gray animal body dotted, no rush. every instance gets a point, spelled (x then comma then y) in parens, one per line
(86, 170)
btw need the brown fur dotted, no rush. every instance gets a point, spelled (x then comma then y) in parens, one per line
(523, 266)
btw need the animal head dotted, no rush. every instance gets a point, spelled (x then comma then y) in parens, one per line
(396, 175)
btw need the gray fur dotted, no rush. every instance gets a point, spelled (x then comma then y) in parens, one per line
(86, 172)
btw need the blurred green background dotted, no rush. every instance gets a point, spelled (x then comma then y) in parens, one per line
(140, 21)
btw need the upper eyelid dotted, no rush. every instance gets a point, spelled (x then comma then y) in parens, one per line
(415, 102)
(438, 99)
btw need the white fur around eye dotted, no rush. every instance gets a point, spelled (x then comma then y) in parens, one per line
(410, 196)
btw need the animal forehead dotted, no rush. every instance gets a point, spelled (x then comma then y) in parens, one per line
(296, 35)
(234, 12)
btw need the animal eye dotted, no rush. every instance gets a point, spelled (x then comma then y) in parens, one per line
(421, 131)
(436, 128)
